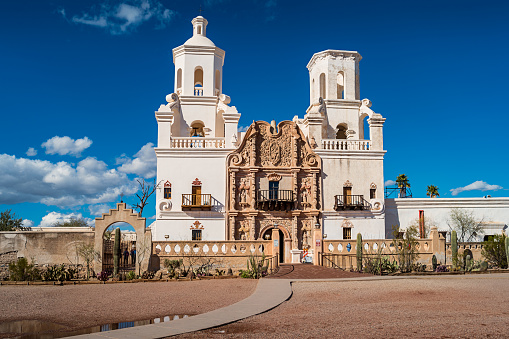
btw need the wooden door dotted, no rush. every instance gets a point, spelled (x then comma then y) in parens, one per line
(347, 196)
(196, 197)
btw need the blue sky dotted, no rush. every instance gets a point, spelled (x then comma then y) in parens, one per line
(80, 81)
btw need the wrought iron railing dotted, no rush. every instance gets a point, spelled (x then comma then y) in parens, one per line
(203, 201)
(351, 202)
(275, 200)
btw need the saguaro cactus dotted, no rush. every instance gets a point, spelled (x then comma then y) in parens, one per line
(116, 251)
(507, 250)
(434, 262)
(359, 252)
(454, 249)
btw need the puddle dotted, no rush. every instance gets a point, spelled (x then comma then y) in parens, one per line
(37, 329)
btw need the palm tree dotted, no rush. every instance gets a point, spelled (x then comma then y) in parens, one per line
(403, 183)
(432, 191)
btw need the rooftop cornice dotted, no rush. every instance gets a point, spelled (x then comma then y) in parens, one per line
(197, 50)
(332, 53)
(195, 99)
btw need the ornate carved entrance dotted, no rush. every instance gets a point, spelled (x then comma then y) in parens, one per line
(274, 180)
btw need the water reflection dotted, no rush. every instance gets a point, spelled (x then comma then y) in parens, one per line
(37, 329)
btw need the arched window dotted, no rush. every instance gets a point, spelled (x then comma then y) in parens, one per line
(179, 78)
(198, 81)
(197, 129)
(313, 90)
(322, 85)
(341, 85)
(218, 81)
(341, 131)
(199, 29)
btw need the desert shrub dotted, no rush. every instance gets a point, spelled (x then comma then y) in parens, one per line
(378, 264)
(255, 268)
(494, 251)
(442, 268)
(103, 276)
(406, 248)
(21, 270)
(130, 275)
(59, 273)
(172, 266)
(148, 275)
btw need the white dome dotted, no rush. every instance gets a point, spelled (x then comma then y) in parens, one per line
(199, 40)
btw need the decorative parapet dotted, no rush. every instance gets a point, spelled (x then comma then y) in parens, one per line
(212, 248)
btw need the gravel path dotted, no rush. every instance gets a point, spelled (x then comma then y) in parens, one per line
(437, 307)
(82, 306)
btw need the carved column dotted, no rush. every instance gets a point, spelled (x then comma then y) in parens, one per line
(232, 227)
(315, 191)
(252, 228)
(295, 238)
(295, 187)
(233, 190)
(253, 189)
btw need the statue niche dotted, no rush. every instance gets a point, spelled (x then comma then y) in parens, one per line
(243, 188)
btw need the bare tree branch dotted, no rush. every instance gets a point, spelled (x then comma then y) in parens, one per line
(146, 191)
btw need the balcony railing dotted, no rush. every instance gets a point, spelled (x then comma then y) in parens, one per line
(351, 202)
(198, 91)
(346, 145)
(197, 142)
(196, 201)
(275, 200)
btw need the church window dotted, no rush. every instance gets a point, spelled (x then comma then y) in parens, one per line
(167, 190)
(372, 193)
(341, 131)
(199, 29)
(347, 233)
(218, 81)
(273, 190)
(196, 234)
(198, 81)
(179, 78)
(341, 85)
(322, 85)
(197, 129)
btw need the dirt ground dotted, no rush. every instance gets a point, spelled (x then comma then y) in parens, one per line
(79, 306)
(473, 306)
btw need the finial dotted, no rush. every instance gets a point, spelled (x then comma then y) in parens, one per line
(201, 10)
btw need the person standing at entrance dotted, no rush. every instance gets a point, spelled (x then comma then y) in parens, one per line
(126, 257)
(133, 257)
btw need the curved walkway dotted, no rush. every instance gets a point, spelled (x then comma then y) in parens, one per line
(269, 293)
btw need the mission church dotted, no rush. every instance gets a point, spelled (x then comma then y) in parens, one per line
(309, 178)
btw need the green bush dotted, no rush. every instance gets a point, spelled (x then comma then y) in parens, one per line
(130, 275)
(255, 268)
(58, 273)
(23, 271)
(494, 251)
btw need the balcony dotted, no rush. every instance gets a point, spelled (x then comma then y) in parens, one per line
(351, 202)
(275, 200)
(202, 202)
(197, 142)
(346, 145)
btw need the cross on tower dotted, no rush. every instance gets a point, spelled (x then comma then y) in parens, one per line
(201, 10)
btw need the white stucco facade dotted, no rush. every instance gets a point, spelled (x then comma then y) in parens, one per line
(197, 130)
(493, 213)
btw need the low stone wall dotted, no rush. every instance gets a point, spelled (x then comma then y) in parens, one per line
(44, 248)
(219, 254)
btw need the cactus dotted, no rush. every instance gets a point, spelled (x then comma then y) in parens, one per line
(507, 249)
(434, 262)
(116, 251)
(468, 263)
(359, 252)
(454, 249)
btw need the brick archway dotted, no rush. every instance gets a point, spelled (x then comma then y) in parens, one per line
(143, 235)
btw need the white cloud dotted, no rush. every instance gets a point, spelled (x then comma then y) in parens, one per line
(66, 145)
(52, 218)
(476, 186)
(242, 128)
(61, 184)
(31, 152)
(390, 183)
(27, 223)
(125, 16)
(143, 163)
(99, 209)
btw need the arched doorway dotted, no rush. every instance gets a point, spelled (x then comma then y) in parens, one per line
(280, 238)
(281, 247)
(127, 257)
(143, 235)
